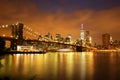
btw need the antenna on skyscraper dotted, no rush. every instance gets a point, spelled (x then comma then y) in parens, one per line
(81, 26)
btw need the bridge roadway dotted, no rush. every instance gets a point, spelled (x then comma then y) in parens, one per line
(35, 40)
(77, 47)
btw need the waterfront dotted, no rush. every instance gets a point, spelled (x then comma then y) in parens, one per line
(61, 66)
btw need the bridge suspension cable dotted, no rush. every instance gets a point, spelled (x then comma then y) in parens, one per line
(30, 31)
(5, 30)
(27, 30)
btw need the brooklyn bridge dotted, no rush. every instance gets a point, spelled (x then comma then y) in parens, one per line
(18, 34)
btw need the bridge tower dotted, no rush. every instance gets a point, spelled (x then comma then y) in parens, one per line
(17, 32)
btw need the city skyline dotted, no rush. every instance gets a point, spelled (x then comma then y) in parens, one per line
(64, 17)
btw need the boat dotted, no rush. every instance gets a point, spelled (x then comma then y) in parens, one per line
(65, 50)
(24, 49)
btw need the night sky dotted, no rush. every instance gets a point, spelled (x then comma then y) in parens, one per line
(64, 16)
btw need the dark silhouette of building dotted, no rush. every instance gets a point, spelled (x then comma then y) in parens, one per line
(2, 44)
(106, 40)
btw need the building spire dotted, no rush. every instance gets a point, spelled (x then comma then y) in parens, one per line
(81, 26)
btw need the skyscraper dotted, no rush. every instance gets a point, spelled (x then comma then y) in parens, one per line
(82, 33)
(106, 40)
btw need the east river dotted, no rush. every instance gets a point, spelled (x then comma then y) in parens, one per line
(61, 66)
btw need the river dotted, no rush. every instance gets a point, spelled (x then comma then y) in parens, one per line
(61, 66)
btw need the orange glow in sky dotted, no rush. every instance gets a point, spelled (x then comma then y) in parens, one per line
(64, 23)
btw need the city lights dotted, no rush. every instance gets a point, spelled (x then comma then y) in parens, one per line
(85, 39)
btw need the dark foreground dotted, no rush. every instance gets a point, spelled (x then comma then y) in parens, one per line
(61, 66)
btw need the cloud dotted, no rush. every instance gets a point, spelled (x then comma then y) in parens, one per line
(97, 22)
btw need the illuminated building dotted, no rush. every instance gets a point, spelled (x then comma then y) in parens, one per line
(58, 37)
(39, 37)
(111, 40)
(106, 40)
(82, 33)
(82, 36)
(85, 38)
(48, 36)
(68, 38)
(88, 38)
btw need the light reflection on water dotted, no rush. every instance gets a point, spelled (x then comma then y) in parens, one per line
(61, 66)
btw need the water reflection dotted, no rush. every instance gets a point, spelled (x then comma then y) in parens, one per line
(62, 66)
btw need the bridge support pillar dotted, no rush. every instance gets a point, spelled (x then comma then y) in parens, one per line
(79, 48)
(13, 45)
(17, 32)
(2, 44)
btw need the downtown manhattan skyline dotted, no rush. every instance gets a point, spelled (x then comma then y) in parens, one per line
(64, 16)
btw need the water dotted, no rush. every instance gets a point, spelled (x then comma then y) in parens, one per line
(61, 66)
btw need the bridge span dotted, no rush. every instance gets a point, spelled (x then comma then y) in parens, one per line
(18, 38)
